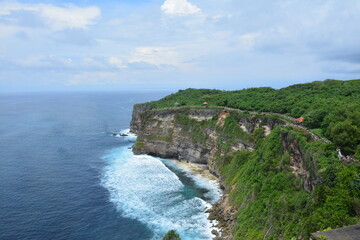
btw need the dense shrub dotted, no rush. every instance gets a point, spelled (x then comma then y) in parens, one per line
(172, 235)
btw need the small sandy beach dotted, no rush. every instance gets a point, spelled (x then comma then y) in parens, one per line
(196, 169)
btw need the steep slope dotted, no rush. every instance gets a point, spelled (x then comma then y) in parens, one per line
(280, 181)
(330, 107)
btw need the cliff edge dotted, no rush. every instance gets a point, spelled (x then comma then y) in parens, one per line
(263, 163)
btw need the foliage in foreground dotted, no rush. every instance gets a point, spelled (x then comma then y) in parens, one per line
(172, 235)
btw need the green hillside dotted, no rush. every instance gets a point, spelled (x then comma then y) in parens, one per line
(330, 107)
(289, 185)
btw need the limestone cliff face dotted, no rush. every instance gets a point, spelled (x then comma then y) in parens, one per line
(159, 134)
(302, 163)
(209, 136)
(136, 120)
(194, 135)
(198, 136)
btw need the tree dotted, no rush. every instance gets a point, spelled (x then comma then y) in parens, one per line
(172, 235)
(345, 135)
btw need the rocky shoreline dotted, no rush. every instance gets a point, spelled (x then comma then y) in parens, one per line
(161, 133)
(221, 214)
(224, 215)
(185, 135)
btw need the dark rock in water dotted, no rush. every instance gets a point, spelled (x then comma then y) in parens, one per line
(129, 147)
(120, 135)
(213, 216)
(214, 232)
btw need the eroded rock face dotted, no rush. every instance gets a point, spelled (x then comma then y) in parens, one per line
(136, 120)
(300, 162)
(159, 134)
(250, 124)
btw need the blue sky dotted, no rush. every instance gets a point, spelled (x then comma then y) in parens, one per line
(173, 44)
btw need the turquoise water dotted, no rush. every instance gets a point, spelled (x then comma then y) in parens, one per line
(64, 176)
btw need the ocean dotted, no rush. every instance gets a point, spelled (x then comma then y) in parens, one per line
(63, 175)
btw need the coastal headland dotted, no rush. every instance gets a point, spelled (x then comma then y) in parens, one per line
(282, 178)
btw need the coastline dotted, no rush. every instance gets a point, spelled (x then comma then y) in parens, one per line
(219, 213)
(197, 169)
(200, 173)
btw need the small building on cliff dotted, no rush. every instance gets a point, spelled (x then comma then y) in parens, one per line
(345, 233)
(299, 120)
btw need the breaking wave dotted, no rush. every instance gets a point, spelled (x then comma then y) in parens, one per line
(144, 188)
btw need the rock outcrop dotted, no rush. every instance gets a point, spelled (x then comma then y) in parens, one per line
(302, 163)
(165, 133)
(159, 134)
(208, 136)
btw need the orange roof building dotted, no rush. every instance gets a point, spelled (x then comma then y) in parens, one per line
(205, 103)
(299, 120)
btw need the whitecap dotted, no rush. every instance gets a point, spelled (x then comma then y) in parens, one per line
(131, 137)
(143, 188)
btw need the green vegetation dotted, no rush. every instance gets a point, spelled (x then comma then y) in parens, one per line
(322, 238)
(290, 185)
(332, 106)
(194, 127)
(269, 196)
(139, 144)
(230, 130)
(172, 235)
(266, 192)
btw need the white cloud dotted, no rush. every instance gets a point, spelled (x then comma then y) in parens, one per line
(59, 63)
(58, 18)
(47, 62)
(94, 78)
(70, 17)
(200, 39)
(117, 62)
(248, 40)
(156, 55)
(179, 8)
(91, 63)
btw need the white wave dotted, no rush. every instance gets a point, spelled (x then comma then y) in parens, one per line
(143, 188)
(131, 137)
(213, 186)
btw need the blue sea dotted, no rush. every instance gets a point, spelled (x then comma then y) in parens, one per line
(63, 175)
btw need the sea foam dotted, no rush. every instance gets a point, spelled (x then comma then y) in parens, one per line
(143, 188)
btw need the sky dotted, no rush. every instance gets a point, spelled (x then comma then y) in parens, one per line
(85, 45)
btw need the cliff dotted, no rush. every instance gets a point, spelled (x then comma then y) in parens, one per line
(194, 135)
(272, 173)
